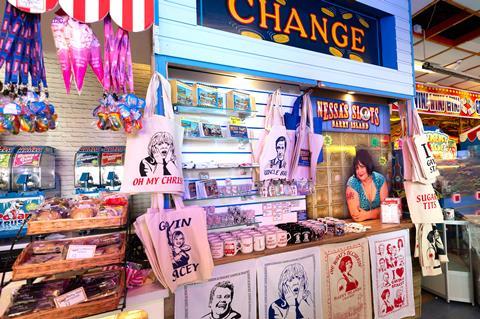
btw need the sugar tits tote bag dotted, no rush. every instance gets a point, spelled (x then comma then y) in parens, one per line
(179, 236)
(274, 149)
(153, 161)
(308, 145)
(423, 203)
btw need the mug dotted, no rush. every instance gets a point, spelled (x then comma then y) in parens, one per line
(306, 234)
(230, 247)
(271, 240)
(282, 238)
(246, 243)
(296, 236)
(259, 242)
(217, 249)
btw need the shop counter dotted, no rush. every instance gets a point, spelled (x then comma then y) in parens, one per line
(376, 228)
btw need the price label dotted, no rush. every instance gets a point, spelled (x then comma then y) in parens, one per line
(235, 120)
(71, 298)
(81, 251)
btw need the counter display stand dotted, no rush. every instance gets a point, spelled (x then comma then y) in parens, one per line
(456, 281)
(115, 302)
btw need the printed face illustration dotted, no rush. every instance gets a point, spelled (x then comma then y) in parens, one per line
(348, 266)
(221, 302)
(361, 172)
(381, 249)
(294, 284)
(179, 240)
(382, 263)
(160, 151)
(394, 250)
(281, 147)
(386, 277)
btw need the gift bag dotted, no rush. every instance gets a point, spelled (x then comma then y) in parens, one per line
(274, 148)
(423, 203)
(153, 161)
(179, 237)
(307, 145)
(292, 122)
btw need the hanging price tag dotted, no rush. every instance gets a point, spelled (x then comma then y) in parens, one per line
(70, 298)
(81, 251)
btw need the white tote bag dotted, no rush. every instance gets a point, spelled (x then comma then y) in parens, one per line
(423, 203)
(153, 161)
(275, 147)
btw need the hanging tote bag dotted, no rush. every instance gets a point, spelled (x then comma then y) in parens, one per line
(292, 122)
(422, 149)
(423, 203)
(275, 154)
(153, 161)
(257, 150)
(180, 239)
(308, 145)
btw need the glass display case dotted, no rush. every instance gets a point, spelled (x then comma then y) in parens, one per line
(6, 161)
(33, 169)
(112, 167)
(87, 168)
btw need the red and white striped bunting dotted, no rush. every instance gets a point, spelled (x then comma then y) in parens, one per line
(34, 6)
(86, 11)
(132, 15)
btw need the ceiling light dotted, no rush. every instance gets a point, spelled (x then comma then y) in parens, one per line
(419, 67)
(440, 69)
(351, 92)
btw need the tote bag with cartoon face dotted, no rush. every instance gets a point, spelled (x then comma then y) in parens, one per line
(153, 161)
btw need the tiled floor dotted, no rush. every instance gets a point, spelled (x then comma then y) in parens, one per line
(437, 308)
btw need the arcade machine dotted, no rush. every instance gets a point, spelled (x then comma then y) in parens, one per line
(87, 170)
(28, 179)
(112, 167)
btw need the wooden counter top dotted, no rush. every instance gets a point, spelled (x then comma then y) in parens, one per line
(376, 228)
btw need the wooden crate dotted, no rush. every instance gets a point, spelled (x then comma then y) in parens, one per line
(70, 224)
(26, 271)
(81, 310)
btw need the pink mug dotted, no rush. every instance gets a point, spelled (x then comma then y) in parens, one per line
(282, 238)
(230, 247)
(271, 240)
(217, 249)
(247, 244)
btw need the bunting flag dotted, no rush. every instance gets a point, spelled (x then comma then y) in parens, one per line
(86, 11)
(34, 6)
(133, 15)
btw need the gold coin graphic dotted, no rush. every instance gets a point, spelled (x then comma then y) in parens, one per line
(363, 22)
(335, 51)
(328, 12)
(347, 16)
(281, 38)
(282, 2)
(355, 57)
(251, 34)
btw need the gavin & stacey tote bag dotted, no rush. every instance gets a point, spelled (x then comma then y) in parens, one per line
(308, 145)
(180, 240)
(153, 161)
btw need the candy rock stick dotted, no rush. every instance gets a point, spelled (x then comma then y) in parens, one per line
(96, 58)
(79, 50)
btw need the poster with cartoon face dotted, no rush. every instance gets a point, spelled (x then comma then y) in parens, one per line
(229, 294)
(288, 285)
(345, 273)
(392, 275)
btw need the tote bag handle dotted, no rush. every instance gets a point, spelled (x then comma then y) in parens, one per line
(151, 99)
(157, 201)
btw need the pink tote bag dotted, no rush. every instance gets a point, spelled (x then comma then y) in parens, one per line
(180, 240)
(308, 145)
(153, 161)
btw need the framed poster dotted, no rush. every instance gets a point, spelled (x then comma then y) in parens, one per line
(346, 287)
(231, 293)
(392, 275)
(288, 285)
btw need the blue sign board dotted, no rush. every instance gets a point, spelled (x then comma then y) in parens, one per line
(317, 25)
(353, 117)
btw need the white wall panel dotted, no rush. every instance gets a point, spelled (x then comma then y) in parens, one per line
(177, 35)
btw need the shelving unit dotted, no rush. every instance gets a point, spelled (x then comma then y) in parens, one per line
(185, 109)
